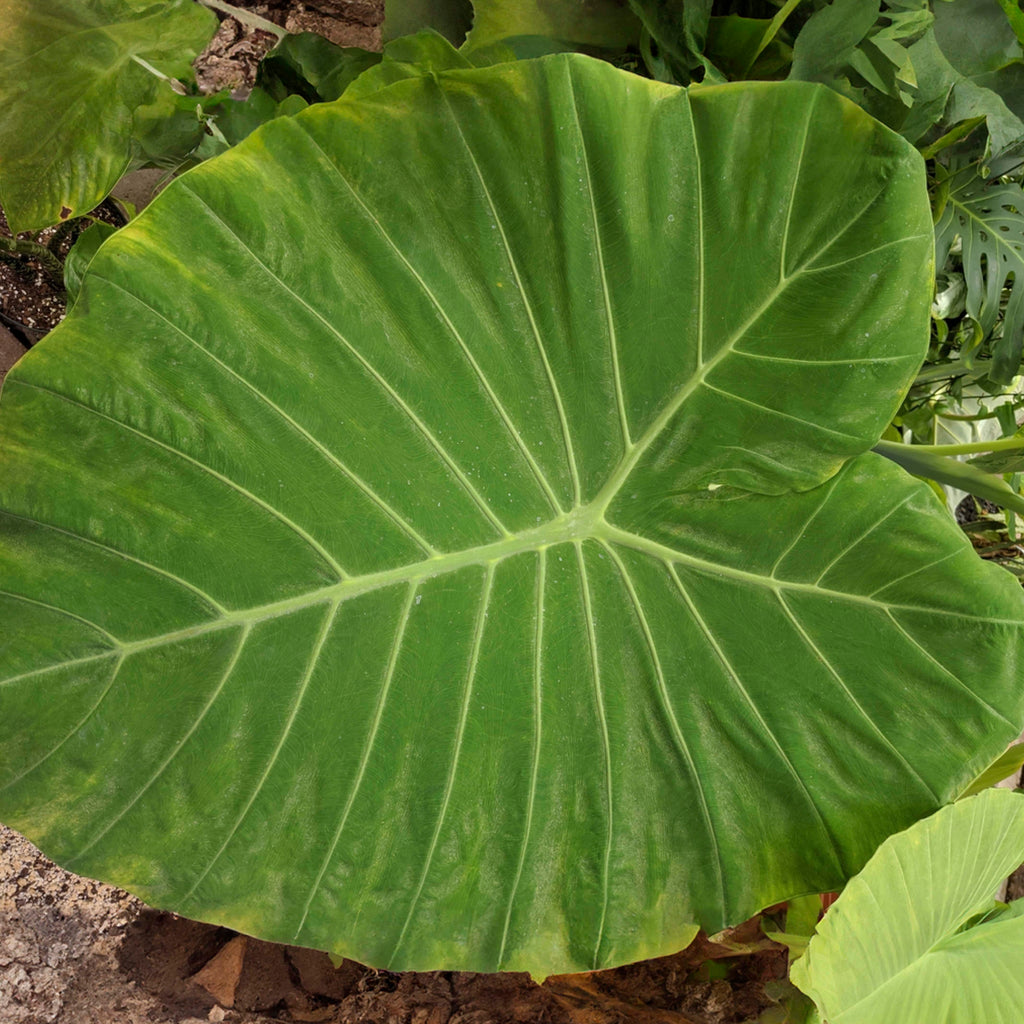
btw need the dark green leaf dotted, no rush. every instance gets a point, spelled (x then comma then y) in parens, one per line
(826, 42)
(732, 46)
(312, 67)
(422, 55)
(604, 24)
(451, 18)
(969, 99)
(680, 31)
(975, 35)
(935, 80)
(166, 131)
(80, 256)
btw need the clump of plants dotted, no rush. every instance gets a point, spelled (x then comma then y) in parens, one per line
(462, 524)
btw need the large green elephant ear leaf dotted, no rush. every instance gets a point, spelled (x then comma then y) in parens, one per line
(442, 531)
(74, 73)
(917, 935)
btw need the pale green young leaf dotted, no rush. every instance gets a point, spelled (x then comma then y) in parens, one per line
(913, 937)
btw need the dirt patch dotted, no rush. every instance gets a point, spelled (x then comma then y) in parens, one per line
(32, 298)
(11, 350)
(229, 62)
(75, 951)
(58, 935)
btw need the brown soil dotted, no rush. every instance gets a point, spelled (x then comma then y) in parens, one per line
(74, 951)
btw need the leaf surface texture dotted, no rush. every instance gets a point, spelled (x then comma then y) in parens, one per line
(443, 533)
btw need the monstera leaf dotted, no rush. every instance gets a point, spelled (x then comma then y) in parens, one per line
(74, 73)
(988, 218)
(917, 935)
(444, 533)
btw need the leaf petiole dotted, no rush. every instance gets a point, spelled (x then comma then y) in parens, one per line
(246, 17)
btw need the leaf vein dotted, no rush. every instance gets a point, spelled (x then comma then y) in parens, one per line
(606, 747)
(538, 659)
(364, 760)
(599, 249)
(499, 224)
(730, 669)
(213, 605)
(863, 536)
(318, 647)
(820, 655)
(796, 182)
(485, 383)
(400, 403)
(62, 611)
(677, 733)
(202, 466)
(400, 521)
(945, 671)
(456, 753)
(233, 661)
(119, 660)
(777, 412)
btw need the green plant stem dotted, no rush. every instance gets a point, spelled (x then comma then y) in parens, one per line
(1015, 17)
(771, 32)
(246, 17)
(60, 233)
(1006, 444)
(157, 73)
(1007, 546)
(942, 372)
(943, 469)
(965, 418)
(953, 135)
(36, 251)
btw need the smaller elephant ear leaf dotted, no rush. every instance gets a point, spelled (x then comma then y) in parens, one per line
(444, 531)
(917, 935)
(74, 73)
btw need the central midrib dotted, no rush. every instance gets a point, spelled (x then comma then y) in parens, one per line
(574, 527)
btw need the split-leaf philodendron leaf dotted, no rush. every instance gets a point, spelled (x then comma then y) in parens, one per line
(444, 531)
(74, 73)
